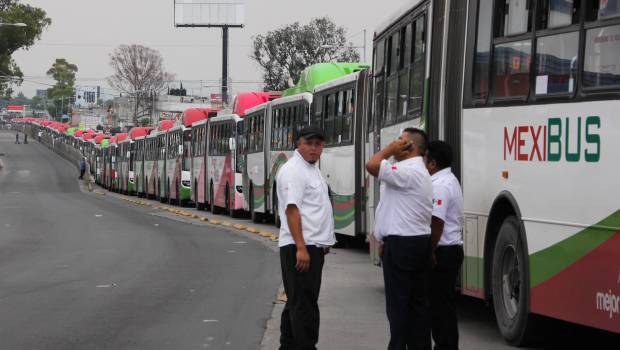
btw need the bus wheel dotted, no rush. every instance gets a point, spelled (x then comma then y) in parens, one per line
(510, 285)
(214, 209)
(199, 206)
(274, 207)
(229, 205)
(256, 217)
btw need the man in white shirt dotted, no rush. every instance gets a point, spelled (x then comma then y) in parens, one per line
(447, 242)
(402, 223)
(306, 234)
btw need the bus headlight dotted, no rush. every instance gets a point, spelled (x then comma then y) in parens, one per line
(239, 188)
(186, 183)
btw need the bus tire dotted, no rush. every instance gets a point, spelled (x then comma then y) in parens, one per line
(256, 217)
(510, 285)
(274, 207)
(214, 208)
(199, 206)
(229, 206)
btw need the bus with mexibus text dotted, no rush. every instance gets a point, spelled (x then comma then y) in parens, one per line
(526, 92)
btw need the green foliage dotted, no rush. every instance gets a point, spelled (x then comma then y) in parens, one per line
(15, 38)
(64, 74)
(284, 53)
(146, 121)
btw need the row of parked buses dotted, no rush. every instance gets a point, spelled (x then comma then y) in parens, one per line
(526, 92)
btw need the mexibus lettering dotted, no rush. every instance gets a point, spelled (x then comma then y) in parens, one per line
(570, 139)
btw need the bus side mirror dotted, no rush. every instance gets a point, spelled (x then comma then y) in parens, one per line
(180, 150)
(231, 144)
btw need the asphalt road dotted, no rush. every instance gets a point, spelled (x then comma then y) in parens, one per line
(81, 271)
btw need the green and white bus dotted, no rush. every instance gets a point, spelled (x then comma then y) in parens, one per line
(526, 92)
(269, 135)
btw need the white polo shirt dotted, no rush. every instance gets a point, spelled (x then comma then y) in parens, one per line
(301, 183)
(448, 206)
(406, 199)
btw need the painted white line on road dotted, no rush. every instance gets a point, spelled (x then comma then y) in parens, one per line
(210, 321)
(231, 251)
(98, 215)
(240, 242)
(106, 285)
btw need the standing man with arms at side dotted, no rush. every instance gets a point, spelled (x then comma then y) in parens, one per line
(403, 224)
(306, 234)
(447, 242)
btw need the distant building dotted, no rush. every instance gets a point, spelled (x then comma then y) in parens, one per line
(41, 93)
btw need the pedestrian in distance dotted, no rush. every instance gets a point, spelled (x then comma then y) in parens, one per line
(17, 138)
(447, 242)
(25, 138)
(82, 168)
(306, 234)
(39, 135)
(402, 225)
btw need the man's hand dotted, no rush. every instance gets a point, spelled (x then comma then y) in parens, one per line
(381, 251)
(398, 146)
(303, 260)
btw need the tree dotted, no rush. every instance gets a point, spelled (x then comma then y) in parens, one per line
(15, 38)
(64, 74)
(138, 71)
(285, 52)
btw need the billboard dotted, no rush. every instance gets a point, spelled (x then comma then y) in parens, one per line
(86, 96)
(203, 13)
(15, 108)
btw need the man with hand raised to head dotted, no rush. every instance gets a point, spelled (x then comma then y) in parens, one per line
(306, 234)
(403, 226)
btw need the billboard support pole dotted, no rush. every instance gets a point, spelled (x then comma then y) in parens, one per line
(225, 65)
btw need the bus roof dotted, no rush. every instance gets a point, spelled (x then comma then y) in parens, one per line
(256, 108)
(122, 136)
(193, 115)
(403, 11)
(165, 125)
(138, 132)
(321, 73)
(246, 100)
(226, 117)
(288, 99)
(336, 82)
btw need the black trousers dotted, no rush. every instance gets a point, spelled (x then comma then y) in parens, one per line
(299, 327)
(443, 296)
(406, 265)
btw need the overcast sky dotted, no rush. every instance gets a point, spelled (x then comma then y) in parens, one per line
(86, 31)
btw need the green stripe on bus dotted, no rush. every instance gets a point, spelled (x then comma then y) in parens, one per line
(550, 261)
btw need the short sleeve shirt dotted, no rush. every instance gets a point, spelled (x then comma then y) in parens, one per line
(301, 183)
(448, 206)
(406, 199)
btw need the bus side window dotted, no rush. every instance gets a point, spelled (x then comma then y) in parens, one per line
(417, 74)
(340, 107)
(318, 105)
(348, 117)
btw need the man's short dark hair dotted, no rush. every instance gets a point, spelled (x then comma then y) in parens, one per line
(422, 138)
(441, 153)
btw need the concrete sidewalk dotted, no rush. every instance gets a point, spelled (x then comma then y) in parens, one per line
(352, 304)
